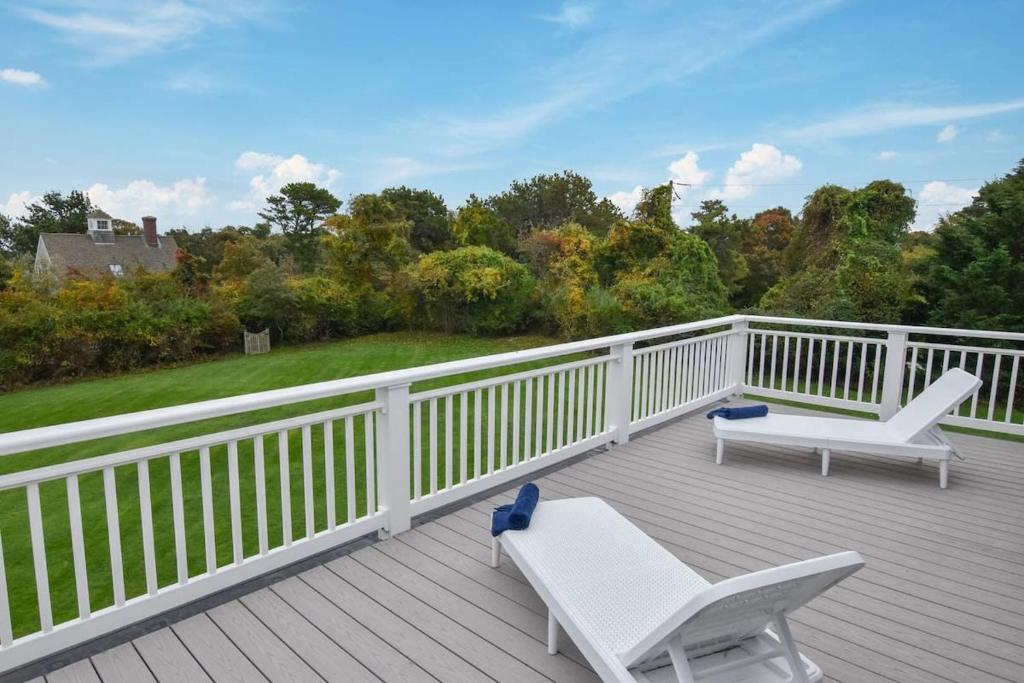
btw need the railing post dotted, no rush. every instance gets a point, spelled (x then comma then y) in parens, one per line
(393, 458)
(892, 377)
(738, 341)
(618, 398)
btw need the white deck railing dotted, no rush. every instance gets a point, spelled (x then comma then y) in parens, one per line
(80, 552)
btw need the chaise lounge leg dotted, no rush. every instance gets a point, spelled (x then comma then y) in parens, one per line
(796, 665)
(825, 456)
(495, 552)
(552, 634)
(943, 473)
(719, 451)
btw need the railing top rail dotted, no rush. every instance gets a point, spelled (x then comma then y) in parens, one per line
(879, 327)
(86, 430)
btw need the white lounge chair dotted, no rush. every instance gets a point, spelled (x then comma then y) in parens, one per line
(911, 433)
(637, 613)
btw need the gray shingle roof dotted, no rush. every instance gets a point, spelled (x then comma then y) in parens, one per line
(98, 213)
(79, 252)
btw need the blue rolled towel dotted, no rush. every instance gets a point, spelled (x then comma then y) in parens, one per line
(516, 515)
(739, 412)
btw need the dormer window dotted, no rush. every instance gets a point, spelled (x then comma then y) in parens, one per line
(102, 225)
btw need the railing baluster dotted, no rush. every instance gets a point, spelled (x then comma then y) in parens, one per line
(449, 439)
(434, 427)
(589, 421)
(912, 375)
(528, 418)
(995, 387)
(515, 424)
(478, 410)
(235, 498)
(417, 449)
(762, 347)
(1013, 388)
(775, 344)
(570, 417)
(878, 372)
(178, 513)
(785, 363)
(114, 534)
(634, 389)
(978, 370)
(796, 364)
(463, 436)
(350, 473)
(863, 367)
(492, 426)
(503, 459)
(751, 343)
(580, 404)
(551, 413)
(849, 365)
(35, 526)
(286, 487)
(260, 474)
(538, 418)
(370, 451)
(821, 367)
(561, 409)
(599, 400)
(77, 550)
(330, 499)
(808, 387)
(6, 632)
(209, 525)
(835, 366)
(146, 520)
(659, 380)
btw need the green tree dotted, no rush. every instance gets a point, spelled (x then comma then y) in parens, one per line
(763, 248)
(300, 210)
(268, 302)
(726, 235)
(476, 224)
(655, 208)
(369, 245)
(53, 213)
(974, 278)
(845, 257)
(547, 201)
(430, 219)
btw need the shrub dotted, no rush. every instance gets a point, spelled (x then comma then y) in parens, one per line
(470, 289)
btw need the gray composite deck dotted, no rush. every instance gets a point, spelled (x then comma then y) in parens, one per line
(941, 598)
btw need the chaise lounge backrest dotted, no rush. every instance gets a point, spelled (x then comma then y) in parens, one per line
(733, 610)
(932, 404)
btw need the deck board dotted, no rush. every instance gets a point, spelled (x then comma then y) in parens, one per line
(939, 600)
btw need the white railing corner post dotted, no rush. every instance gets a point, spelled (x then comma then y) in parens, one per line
(892, 375)
(738, 340)
(618, 399)
(393, 458)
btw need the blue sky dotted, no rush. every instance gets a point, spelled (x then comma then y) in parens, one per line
(196, 111)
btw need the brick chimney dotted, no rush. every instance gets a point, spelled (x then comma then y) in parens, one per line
(149, 230)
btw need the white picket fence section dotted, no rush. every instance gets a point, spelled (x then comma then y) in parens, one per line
(246, 501)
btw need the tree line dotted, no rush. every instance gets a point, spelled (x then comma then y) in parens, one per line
(547, 254)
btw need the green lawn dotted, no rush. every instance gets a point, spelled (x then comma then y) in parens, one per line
(214, 379)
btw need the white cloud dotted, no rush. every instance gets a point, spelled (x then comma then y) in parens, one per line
(947, 134)
(15, 206)
(760, 165)
(278, 171)
(887, 154)
(938, 198)
(573, 15)
(114, 32)
(627, 201)
(996, 136)
(686, 170)
(879, 118)
(28, 79)
(141, 197)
